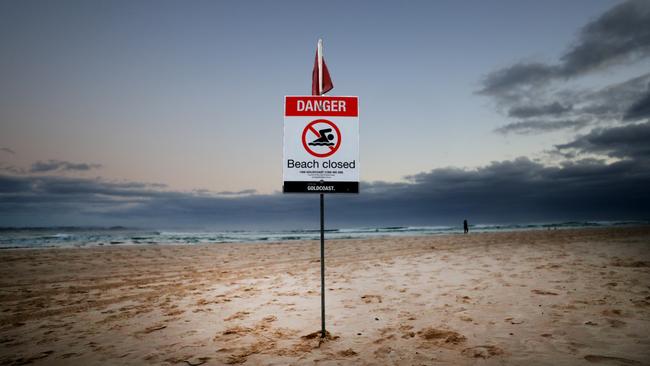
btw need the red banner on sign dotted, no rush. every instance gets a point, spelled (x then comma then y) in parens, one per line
(321, 106)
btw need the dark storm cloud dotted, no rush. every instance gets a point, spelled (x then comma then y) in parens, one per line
(7, 150)
(639, 109)
(573, 109)
(538, 126)
(57, 165)
(526, 111)
(619, 35)
(614, 103)
(631, 141)
(524, 90)
(515, 190)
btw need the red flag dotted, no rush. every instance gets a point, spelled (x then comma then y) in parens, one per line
(327, 80)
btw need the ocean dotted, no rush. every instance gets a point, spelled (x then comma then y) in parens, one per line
(90, 237)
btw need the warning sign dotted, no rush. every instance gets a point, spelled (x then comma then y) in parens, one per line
(321, 144)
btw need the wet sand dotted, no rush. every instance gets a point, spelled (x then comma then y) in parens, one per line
(562, 297)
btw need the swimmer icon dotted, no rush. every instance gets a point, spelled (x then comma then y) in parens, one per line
(324, 140)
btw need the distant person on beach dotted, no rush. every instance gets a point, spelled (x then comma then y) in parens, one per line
(465, 227)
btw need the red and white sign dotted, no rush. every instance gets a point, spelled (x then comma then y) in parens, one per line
(321, 144)
(312, 105)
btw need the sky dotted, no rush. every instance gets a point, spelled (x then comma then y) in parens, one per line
(169, 113)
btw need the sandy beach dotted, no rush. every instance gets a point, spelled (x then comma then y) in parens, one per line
(562, 297)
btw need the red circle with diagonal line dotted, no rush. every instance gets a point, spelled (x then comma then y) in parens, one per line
(310, 128)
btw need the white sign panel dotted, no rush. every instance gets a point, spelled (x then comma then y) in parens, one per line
(321, 144)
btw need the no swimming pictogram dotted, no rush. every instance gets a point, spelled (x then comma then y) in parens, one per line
(321, 138)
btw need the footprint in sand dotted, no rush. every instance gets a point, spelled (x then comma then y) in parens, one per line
(442, 336)
(174, 312)
(609, 360)
(368, 299)
(237, 316)
(30, 359)
(383, 351)
(152, 328)
(542, 292)
(348, 353)
(196, 361)
(612, 312)
(463, 299)
(484, 351)
(615, 323)
(514, 320)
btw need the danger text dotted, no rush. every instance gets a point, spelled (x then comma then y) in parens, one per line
(321, 106)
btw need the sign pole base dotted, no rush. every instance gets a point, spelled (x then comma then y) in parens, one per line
(322, 264)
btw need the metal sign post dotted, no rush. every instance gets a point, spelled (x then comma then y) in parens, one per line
(322, 265)
(321, 150)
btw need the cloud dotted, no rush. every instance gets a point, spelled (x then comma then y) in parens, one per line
(639, 109)
(517, 76)
(619, 35)
(542, 96)
(7, 150)
(57, 165)
(631, 142)
(526, 111)
(612, 102)
(12, 169)
(237, 193)
(519, 190)
(537, 126)
(607, 104)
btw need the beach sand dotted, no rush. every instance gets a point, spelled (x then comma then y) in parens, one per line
(562, 297)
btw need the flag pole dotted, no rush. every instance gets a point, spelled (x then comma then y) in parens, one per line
(320, 66)
(322, 208)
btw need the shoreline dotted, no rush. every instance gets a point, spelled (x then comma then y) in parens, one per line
(379, 236)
